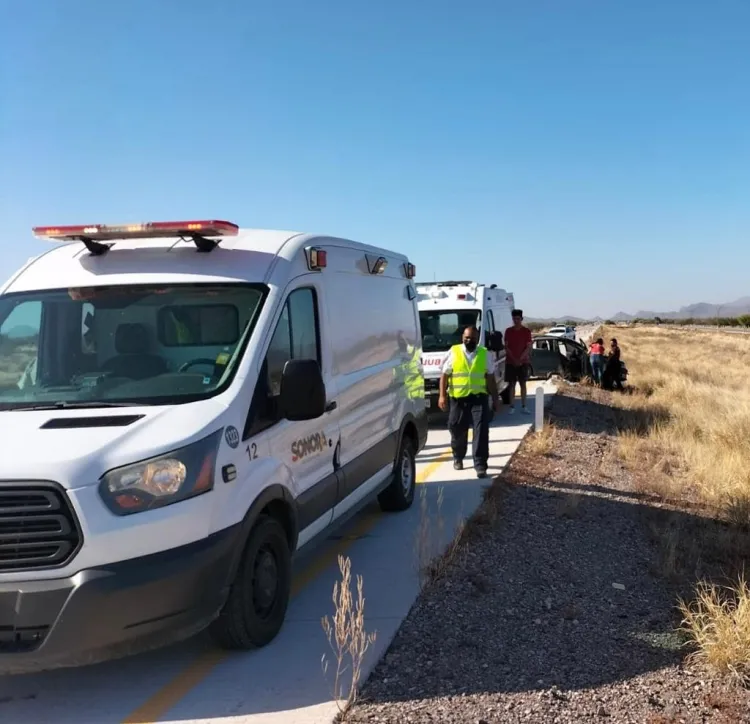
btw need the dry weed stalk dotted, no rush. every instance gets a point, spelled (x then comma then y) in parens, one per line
(347, 637)
(432, 560)
(422, 545)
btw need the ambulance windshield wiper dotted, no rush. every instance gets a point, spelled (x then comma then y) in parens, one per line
(78, 405)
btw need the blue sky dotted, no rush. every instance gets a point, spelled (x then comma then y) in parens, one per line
(589, 155)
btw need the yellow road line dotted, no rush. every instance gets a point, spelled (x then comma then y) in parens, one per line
(198, 669)
(424, 474)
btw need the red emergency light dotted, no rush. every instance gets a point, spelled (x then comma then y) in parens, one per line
(92, 234)
(317, 259)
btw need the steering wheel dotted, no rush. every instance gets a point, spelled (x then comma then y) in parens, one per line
(193, 362)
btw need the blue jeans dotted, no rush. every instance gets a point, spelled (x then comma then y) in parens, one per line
(597, 367)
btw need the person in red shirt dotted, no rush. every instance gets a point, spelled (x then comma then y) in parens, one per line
(517, 358)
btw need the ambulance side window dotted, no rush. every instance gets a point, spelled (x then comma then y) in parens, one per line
(297, 336)
(491, 329)
(279, 351)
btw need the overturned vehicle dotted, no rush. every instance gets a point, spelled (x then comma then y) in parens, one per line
(568, 358)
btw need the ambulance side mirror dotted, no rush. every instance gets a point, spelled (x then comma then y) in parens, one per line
(495, 341)
(303, 392)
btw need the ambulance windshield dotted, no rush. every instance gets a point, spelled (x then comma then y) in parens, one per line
(122, 345)
(442, 328)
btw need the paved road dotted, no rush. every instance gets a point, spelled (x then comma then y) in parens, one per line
(585, 332)
(284, 682)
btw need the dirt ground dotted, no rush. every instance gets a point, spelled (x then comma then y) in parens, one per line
(561, 604)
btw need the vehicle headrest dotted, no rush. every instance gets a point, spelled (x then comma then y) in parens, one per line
(131, 339)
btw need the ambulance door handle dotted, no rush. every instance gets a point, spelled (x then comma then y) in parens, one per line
(331, 406)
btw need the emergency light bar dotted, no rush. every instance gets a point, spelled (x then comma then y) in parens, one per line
(410, 270)
(93, 234)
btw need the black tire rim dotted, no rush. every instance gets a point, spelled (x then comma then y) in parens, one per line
(265, 585)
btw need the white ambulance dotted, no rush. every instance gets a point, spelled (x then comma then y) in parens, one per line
(183, 406)
(445, 310)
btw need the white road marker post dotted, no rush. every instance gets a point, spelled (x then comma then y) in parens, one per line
(539, 409)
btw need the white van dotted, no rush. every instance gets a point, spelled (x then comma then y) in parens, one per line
(183, 406)
(562, 330)
(445, 310)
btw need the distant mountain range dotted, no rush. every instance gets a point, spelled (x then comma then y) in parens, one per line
(561, 319)
(700, 310)
(22, 331)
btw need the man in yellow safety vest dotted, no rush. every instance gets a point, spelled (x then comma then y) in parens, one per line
(468, 378)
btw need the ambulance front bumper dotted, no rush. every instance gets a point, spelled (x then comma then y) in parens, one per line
(115, 610)
(431, 394)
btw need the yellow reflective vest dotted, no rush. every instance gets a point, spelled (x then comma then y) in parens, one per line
(414, 374)
(468, 379)
(410, 374)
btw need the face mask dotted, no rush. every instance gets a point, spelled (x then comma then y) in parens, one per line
(470, 345)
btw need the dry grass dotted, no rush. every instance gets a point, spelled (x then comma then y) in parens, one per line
(543, 442)
(434, 556)
(684, 432)
(717, 622)
(347, 638)
(688, 423)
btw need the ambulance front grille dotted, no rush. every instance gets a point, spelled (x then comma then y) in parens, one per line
(38, 528)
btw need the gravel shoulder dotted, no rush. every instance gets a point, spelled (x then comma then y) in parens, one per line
(555, 609)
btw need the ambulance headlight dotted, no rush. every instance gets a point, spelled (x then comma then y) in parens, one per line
(163, 480)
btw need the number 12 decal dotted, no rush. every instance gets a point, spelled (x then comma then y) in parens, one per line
(252, 451)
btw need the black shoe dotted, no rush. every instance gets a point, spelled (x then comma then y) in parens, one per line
(458, 465)
(481, 472)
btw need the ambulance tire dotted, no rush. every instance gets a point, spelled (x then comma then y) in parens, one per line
(399, 495)
(255, 609)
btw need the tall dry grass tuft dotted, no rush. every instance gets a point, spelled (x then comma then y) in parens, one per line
(717, 623)
(347, 637)
(542, 442)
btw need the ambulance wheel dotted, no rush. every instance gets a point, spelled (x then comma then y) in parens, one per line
(399, 495)
(256, 606)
